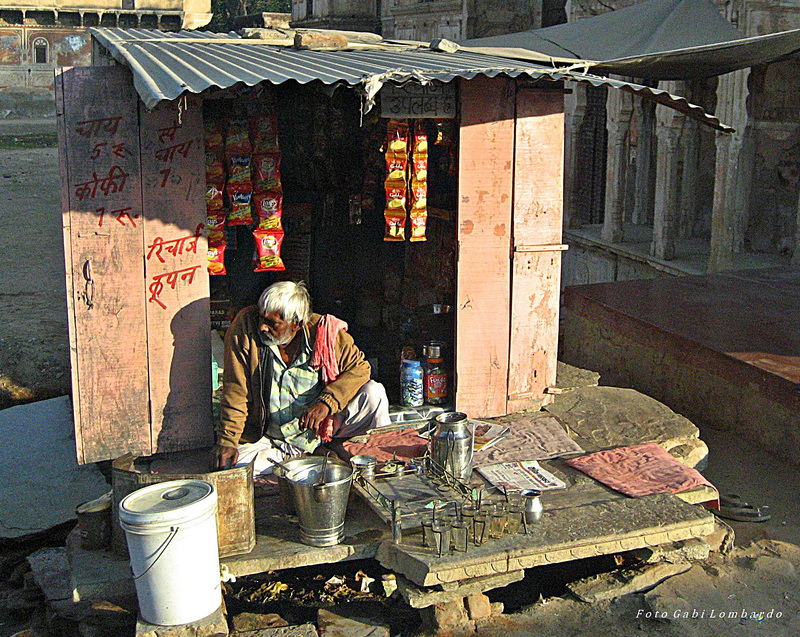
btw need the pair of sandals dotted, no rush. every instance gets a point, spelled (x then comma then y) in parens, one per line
(733, 507)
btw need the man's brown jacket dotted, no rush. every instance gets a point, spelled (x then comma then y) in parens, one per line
(242, 417)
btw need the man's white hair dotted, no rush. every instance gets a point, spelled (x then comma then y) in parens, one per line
(289, 299)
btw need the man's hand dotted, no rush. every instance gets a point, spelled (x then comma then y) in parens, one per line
(313, 417)
(223, 457)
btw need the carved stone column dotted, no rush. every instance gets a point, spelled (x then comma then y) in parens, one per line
(669, 124)
(574, 112)
(645, 111)
(726, 223)
(689, 182)
(619, 108)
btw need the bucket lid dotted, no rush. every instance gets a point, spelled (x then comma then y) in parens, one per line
(168, 502)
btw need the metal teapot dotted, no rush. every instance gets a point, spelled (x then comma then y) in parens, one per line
(452, 444)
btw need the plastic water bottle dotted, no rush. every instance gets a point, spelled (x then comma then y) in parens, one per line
(411, 389)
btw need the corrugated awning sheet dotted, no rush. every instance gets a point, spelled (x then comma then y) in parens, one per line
(659, 39)
(166, 65)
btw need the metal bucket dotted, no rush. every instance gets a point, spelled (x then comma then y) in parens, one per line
(284, 487)
(321, 509)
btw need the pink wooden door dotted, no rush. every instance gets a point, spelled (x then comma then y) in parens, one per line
(537, 248)
(121, 359)
(485, 156)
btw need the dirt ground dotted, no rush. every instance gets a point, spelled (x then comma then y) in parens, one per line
(34, 364)
(34, 352)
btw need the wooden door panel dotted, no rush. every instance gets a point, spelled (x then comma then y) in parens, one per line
(97, 111)
(177, 286)
(486, 154)
(536, 271)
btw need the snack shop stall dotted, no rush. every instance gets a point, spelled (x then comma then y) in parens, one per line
(417, 192)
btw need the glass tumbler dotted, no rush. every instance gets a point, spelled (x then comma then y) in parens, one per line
(514, 515)
(497, 522)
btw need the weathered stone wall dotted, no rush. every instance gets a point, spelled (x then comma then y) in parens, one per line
(706, 387)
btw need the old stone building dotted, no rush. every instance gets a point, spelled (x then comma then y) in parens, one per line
(652, 193)
(36, 37)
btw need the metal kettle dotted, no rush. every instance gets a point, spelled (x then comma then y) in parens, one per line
(452, 444)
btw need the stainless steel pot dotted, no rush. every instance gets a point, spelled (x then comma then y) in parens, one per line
(452, 444)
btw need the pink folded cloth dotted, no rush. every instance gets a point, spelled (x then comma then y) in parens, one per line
(324, 358)
(402, 444)
(640, 470)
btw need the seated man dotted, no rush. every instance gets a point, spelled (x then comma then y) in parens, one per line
(290, 378)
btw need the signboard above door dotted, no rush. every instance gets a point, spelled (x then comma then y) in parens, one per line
(419, 101)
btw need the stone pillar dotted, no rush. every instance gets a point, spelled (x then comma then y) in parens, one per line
(728, 208)
(574, 112)
(689, 181)
(645, 177)
(619, 108)
(669, 124)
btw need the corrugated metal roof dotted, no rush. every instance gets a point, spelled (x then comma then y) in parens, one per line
(166, 65)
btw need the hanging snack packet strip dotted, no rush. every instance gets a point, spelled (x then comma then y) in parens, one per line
(237, 140)
(419, 186)
(239, 198)
(269, 209)
(267, 172)
(264, 133)
(268, 250)
(216, 259)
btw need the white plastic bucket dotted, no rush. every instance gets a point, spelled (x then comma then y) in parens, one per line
(172, 540)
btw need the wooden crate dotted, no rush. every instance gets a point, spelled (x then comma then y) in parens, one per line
(236, 524)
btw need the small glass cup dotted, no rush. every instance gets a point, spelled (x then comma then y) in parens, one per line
(480, 528)
(514, 515)
(428, 540)
(441, 534)
(460, 533)
(497, 523)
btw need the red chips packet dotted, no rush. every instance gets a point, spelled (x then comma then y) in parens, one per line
(268, 250)
(267, 172)
(269, 209)
(216, 259)
(264, 133)
(240, 197)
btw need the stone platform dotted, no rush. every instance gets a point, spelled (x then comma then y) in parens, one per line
(724, 349)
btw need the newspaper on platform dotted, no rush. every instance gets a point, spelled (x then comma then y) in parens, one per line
(524, 474)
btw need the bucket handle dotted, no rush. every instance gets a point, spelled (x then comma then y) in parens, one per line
(172, 533)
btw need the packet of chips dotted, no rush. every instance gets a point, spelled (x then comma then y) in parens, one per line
(419, 195)
(395, 196)
(264, 133)
(396, 164)
(238, 169)
(240, 197)
(269, 209)
(419, 221)
(215, 168)
(397, 137)
(216, 259)
(214, 196)
(420, 139)
(419, 169)
(213, 136)
(267, 171)
(395, 226)
(237, 139)
(268, 250)
(215, 225)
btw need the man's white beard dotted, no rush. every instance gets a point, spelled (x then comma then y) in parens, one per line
(285, 340)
